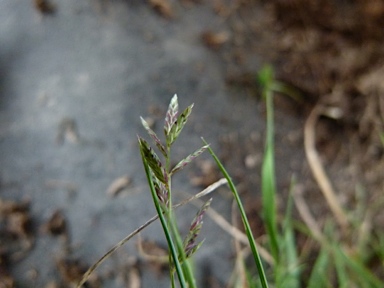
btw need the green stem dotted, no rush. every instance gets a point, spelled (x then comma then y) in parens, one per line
(164, 224)
(168, 169)
(172, 224)
(268, 177)
(270, 116)
(185, 263)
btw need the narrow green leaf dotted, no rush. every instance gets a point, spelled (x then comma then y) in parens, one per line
(265, 77)
(163, 221)
(359, 270)
(268, 182)
(290, 276)
(288, 90)
(382, 138)
(154, 137)
(319, 275)
(269, 201)
(152, 160)
(341, 271)
(188, 159)
(247, 227)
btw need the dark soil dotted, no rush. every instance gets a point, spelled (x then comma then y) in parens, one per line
(333, 53)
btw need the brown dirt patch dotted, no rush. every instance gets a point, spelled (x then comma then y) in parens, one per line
(332, 52)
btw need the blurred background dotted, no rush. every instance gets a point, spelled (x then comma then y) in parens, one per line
(76, 75)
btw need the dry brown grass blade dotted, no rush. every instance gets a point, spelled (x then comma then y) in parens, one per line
(240, 270)
(318, 170)
(134, 277)
(160, 259)
(206, 191)
(306, 215)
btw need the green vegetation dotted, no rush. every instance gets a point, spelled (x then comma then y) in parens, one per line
(159, 179)
(342, 256)
(248, 231)
(332, 256)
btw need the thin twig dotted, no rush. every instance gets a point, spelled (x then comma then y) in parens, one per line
(206, 191)
(318, 169)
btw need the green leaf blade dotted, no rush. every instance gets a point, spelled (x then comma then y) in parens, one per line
(319, 273)
(247, 227)
(269, 202)
(164, 224)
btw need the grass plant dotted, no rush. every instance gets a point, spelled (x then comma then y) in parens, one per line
(244, 218)
(342, 259)
(159, 179)
(286, 272)
(159, 176)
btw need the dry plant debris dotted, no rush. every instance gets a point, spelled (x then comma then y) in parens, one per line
(56, 224)
(6, 280)
(16, 238)
(214, 40)
(154, 254)
(44, 6)
(208, 175)
(70, 270)
(67, 131)
(131, 274)
(163, 7)
(15, 224)
(119, 185)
